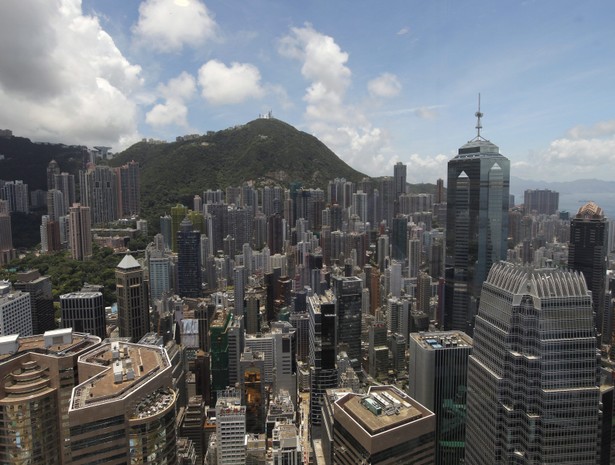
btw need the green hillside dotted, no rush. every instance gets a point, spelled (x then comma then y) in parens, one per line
(264, 151)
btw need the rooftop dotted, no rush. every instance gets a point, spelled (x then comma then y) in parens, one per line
(55, 343)
(128, 263)
(121, 368)
(382, 409)
(442, 340)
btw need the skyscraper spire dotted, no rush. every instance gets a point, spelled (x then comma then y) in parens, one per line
(478, 115)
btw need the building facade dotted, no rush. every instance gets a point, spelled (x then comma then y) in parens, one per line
(533, 377)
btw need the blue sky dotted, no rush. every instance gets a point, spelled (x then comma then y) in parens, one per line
(378, 82)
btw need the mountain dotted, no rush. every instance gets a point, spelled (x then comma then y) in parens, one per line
(265, 151)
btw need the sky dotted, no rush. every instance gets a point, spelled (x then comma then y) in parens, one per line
(377, 82)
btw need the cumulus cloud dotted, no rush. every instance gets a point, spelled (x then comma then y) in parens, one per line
(168, 26)
(221, 84)
(602, 128)
(343, 127)
(386, 85)
(61, 76)
(403, 31)
(174, 110)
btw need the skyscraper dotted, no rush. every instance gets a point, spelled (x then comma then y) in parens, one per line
(347, 291)
(84, 312)
(80, 232)
(39, 288)
(533, 377)
(188, 260)
(7, 252)
(587, 254)
(476, 224)
(230, 429)
(98, 187)
(132, 301)
(438, 378)
(15, 311)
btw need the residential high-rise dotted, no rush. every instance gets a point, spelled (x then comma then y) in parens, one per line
(386, 426)
(438, 378)
(587, 254)
(129, 189)
(84, 312)
(17, 196)
(541, 201)
(159, 274)
(132, 301)
(80, 232)
(533, 377)
(189, 277)
(476, 225)
(7, 252)
(178, 213)
(98, 189)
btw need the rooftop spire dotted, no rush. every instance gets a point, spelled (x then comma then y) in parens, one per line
(478, 115)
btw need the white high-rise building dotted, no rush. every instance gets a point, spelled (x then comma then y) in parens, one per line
(15, 311)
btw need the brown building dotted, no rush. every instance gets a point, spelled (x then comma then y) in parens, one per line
(386, 426)
(37, 376)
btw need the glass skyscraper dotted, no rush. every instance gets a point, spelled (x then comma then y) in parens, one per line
(476, 225)
(533, 376)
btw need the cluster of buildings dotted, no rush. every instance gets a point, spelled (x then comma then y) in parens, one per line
(361, 325)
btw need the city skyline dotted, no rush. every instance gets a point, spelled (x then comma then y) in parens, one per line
(404, 92)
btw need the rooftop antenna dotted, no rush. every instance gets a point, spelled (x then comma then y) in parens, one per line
(478, 115)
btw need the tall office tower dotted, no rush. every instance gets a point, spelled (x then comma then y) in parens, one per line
(55, 204)
(251, 313)
(240, 278)
(541, 201)
(39, 287)
(132, 302)
(382, 251)
(218, 331)
(347, 291)
(230, 428)
(166, 230)
(189, 278)
(395, 281)
(384, 426)
(99, 192)
(17, 196)
(236, 344)
(587, 254)
(533, 376)
(65, 183)
(7, 252)
(438, 378)
(39, 375)
(323, 351)
(15, 311)
(476, 225)
(192, 426)
(124, 408)
(80, 232)
(378, 352)
(415, 257)
(52, 169)
(399, 238)
(251, 372)
(129, 189)
(84, 312)
(178, 213)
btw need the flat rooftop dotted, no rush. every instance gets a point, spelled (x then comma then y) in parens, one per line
(118, 368)
(48, 344)
(442, 340)
(381, 409)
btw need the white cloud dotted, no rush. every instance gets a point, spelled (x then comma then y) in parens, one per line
(174, 110)
(221, 84)
(403, 31)
(61, 76)
(341, 126)
(168, 26)
(428, 113)
(386, 85)
(602, 128)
